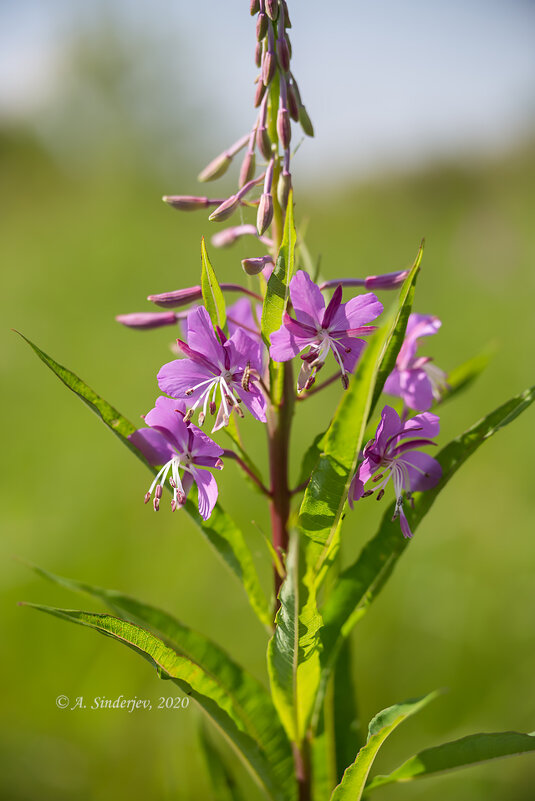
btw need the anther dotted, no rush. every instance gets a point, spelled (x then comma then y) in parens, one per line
(213, 407)
(188, 415)
(219, 463)
(367, 493)
(189, 392)
(147, 497)
(201, 418)
(246, 378)
(156, 504)
(158, 491)
(380, 495)
(378, 477)
(345, 380)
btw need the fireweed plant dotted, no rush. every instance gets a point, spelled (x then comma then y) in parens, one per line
(262, 356)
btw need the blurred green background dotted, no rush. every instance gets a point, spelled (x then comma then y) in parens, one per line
(84, 236)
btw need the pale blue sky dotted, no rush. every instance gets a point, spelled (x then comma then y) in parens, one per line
(387, 84)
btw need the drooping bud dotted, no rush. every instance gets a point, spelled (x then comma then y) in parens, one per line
(386, 281)
(261, 26)
(265, 213)
(259, 91)
(216, 168)
(225, 209)
(284, 128)
(255, 7)
(269, 65)
(145, 320)
(248, 168)
(227, 237)
(293, 107)
(180, 297)
(272, 9)
(283, 53)
(258, 54)
(188, 202)
(263, 142)
(254, 266)
(306, 123)
(283, 188)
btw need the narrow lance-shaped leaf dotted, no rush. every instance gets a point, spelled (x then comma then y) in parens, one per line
(360, 583)
(354, 779)
(224, 787)
(211, 291)
(194, 681)
(293, 651)
(220, 530)
(320, 515)
(247, 695)
(471, 750)
(461, 377)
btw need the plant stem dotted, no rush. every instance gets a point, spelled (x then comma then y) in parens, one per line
(303, 773)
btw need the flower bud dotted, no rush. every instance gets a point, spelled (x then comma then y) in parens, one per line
(287, 23)
(145, 320)
(216, 168)
(284, 128)
(261, 26)
(258, 54)
(283, 189)
(293, 106)
(227, 237)
(260, 92)
(225, 209)
(272, 9)
(305, 121)
(263, 142)
(386, 281)
(186, 202)
(255, 266)
(269, 65)
(248, 168)
(180, 297)
(255, 7)
(283, 53)
(265, 213)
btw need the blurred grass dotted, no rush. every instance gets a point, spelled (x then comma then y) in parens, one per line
(78, 249)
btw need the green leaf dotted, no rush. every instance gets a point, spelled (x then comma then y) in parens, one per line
(354, 780)
(211, 291)
(320, 516)
(224, 787)
(461, 753)
(293, 651)
(220, 530)
(203, 686)
(360, 583)
(465, 374)
(247, 694)
(277, 291)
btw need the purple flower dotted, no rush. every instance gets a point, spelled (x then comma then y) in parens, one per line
(216, 369)
(321, 329)
(417, 380)
(242, 315)
(392, 455)
(180, 448)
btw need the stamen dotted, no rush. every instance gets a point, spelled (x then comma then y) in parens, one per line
(213, 407)
(188, 415)
(378, 477)
(147, 497)
(202, 418)
(367, 493)
(246, 378)
(380, 495)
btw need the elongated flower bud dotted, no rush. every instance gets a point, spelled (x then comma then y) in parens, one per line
(283, 189)
(248, 168)
(269, 65)
(287, 23)
(145, 320)
(263, 142)
(386, 281)
(227, 237)
(265, 213)
(261, 26)
(188, 202)
(293, 107)
(258, 54)
(259, 92)
(284, 128)
(283, 53)
(178, 298)
(225, 209)
(255, 7)
(305, 121)
(216, 168)
(254, 266)
(272, 9)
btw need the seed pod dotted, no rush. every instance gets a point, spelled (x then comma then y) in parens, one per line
(216, 168)
(263, 142)
(265, 213)
(305, 121)
(258, 54)
(225, 209)
(283, 53)
(284, 127)
(261, 26)
(248, 168)
(269, 65)
(260, 92)
(255, 7)
(272, 9)
(283, 189)
(293, 107)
